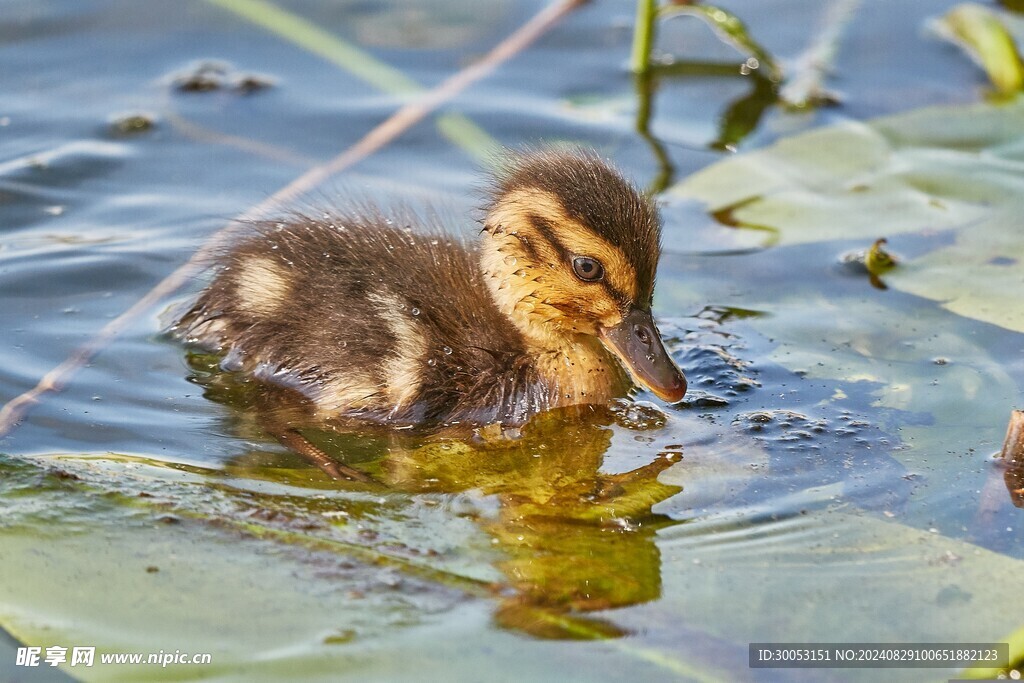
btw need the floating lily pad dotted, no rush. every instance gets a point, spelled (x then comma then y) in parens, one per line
(957, 171)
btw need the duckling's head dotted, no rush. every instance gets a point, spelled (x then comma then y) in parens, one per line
(570, 249)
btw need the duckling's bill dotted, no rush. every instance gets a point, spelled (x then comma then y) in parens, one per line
(637, 344)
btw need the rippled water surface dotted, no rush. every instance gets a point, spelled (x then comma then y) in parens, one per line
(829, 476)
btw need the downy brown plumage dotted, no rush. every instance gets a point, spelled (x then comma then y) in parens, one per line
(412, 327)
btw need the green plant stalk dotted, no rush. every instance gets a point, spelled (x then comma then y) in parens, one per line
(456, 128)
(643, 35)
(471, 138)
(312, 38)
(645, 83)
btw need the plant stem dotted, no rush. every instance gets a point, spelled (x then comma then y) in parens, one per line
(643, 35)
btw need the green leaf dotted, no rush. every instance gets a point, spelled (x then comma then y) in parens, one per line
(981, 33)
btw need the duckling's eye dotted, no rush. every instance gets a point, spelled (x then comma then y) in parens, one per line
(587, 269)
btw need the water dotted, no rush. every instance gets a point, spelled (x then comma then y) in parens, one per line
(775, 503)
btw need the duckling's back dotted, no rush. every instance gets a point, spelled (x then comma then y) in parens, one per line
(367, 320)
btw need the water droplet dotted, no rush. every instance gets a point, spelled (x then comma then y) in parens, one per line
(415, 311)
(447, 350)
(510, 260)
(431, 362)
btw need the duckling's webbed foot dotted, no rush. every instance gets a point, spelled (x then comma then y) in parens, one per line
(294, 440)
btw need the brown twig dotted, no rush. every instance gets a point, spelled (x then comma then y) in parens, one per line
(391, 128)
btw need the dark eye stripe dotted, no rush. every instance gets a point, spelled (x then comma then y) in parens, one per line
(545, 231)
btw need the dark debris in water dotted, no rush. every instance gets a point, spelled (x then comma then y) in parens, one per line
(782, 426)
(132, 123)
(209, 76)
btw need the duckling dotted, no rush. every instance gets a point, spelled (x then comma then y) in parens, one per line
(414, 328)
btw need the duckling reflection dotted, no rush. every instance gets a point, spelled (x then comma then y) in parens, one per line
(1014, 479)
(572, 539)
